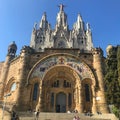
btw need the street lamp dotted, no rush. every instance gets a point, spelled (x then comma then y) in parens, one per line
(9, 94)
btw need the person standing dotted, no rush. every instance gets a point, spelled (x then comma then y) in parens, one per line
(17, 117)
(13, 115)
(36, 115)
(77, 118)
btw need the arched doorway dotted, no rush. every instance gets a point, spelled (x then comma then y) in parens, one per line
(63, 73)
(58, 89)
(61, 102)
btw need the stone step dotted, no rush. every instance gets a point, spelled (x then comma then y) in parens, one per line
(65, 116)
(58, 116)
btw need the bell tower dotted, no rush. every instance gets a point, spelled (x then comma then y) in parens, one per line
(12, 48)
(97, 64)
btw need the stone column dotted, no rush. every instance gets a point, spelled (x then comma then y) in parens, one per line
(77, 94)
(97, 63)
(80, 99)
(39, 105)
(67, 107)
(93, 100)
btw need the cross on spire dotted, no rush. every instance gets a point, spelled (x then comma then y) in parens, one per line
(61, 6)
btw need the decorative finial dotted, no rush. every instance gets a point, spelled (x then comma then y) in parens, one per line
(35, 25)
(61, 6)
(88, 26)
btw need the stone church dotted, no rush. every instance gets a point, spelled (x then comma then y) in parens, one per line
(60, 71)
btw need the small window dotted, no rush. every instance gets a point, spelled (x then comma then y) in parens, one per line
(13, 87)
(35, 91)
(64, 84)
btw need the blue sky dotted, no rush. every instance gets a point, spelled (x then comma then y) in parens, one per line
(17, 18)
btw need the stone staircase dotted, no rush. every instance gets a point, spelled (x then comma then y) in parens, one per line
(65, 116)
(57, 116)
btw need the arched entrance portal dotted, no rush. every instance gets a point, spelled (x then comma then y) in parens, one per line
(61, 102)
(64, 76)
(58, 89)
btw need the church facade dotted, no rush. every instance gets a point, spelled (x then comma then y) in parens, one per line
(59, 71)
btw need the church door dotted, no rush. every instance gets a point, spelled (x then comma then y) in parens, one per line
(61, 102)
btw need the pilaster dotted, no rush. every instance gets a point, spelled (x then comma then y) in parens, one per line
(94, 110)
(40, 102)
(80, 100)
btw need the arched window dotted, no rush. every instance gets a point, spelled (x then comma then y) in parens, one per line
(87, 92)
(66, 84)
(55, 84)
(35, 91)
(13, 87)
(69, 99)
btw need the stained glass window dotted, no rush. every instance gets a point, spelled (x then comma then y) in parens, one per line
(35, 91)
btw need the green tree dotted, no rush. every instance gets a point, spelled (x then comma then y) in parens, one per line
(118, 58)
(116, 111)
(112, 77)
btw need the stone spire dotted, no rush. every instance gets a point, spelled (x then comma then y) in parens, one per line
(44, 23)
(61, 18)
(79, 22)
(88, 27)
(79, 25)
(79, 18)
(61, 6)
(89, 37)
(41, 36)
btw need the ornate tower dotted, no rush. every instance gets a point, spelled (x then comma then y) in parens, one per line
(61, 37)
(23, 72)
(12, 48)
(100, 95)
(40, 37)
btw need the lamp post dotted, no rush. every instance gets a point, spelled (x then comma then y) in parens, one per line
(9, 94)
